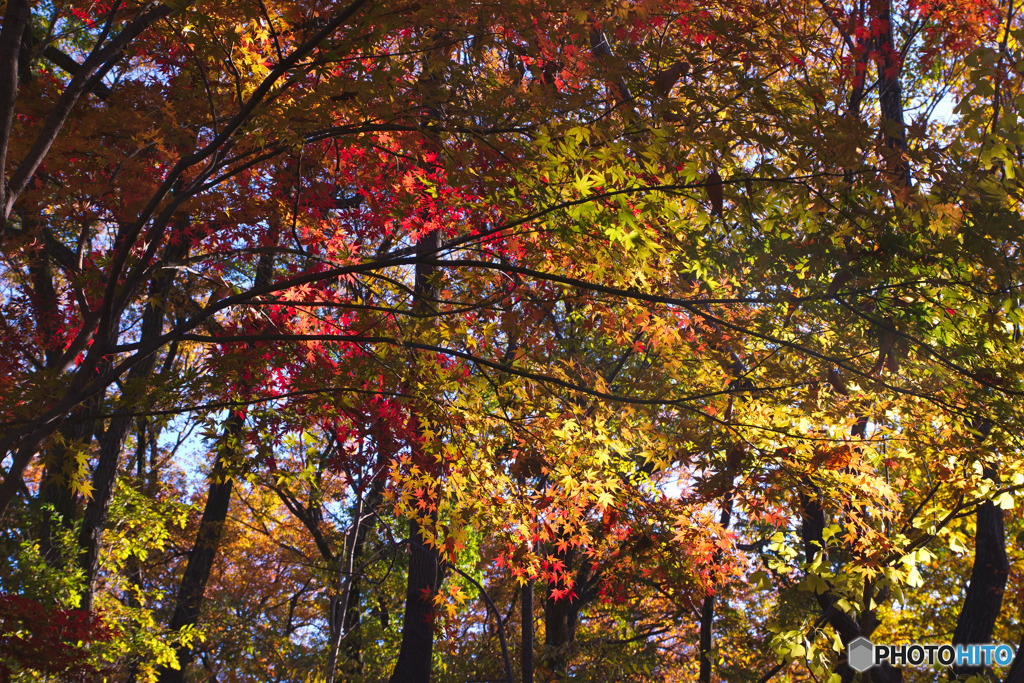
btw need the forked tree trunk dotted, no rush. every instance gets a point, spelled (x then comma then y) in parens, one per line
(56, 493)
(56, 490)
(812, 529)
(561, 617)
(560, 621)
(105, 475)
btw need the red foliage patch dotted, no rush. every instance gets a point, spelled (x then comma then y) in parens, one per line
(48, 640)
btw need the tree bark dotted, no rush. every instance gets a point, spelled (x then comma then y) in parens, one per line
(1016, 672)
(416, 653)
(417, 650)
(890, 94)
(707, 612)
(204, 551)
(984, 598)
(100, 61)
(345, 615)
(526, 648)
(16, 19)
(561, 617)
(56, 491)
(707, 616)
(56, 494)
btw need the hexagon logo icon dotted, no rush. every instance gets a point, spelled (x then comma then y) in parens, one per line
(860, 654)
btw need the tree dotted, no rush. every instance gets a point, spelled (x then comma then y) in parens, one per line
(661, 309)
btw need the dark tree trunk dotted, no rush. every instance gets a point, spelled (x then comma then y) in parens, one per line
(56, 494)
(353, 639)
(707, 616)
(560, 618)
(90, 537)
(204, 551)
(346, 614)
(707, 612)
(353, 614)
(17, 15)
(526, 649)
(417, 647)
(890, 94)
(984, 598)
(1016, 673)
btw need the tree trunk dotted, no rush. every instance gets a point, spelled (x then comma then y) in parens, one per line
(890, 94)
(204, 551)
(17, 16)
(56, 493)
(352, 639)
(707, 616)
(707, 612)
(417, 650)
(561, 617)
(345, 614)
(984, 598)
(526, 649)
(417, 647)
(1016, 673)
(560, 620)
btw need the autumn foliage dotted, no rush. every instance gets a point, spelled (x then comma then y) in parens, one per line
(648, 340)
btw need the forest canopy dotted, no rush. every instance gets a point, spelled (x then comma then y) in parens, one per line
(640, 340)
